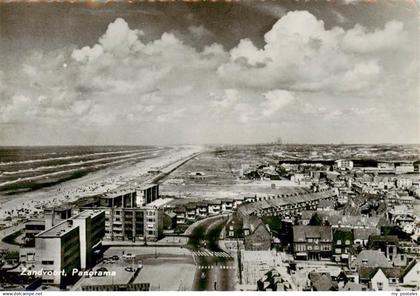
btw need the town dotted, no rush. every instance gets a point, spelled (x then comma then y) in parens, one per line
(275, 217)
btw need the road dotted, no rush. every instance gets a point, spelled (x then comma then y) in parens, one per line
(214, 266)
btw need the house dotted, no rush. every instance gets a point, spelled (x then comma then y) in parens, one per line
(322, 282)
(305, 217)
(169, 220)
(257, 235)
(388, 244)
(350, 286)
(326, 205)
(410, 275)
(370, 258)
(214, 207)
(227, 205)
(191, 212)
(361, 235)
(342, 240)
(181, 214)
(273, 281)
(380, 278)
(202, 210)
(234, 227)
(312, 242)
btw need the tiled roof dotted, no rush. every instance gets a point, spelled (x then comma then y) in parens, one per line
(369, 272)
(364, 233)
(301, 232)
(371, 258)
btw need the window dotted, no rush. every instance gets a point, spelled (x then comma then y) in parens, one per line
(339, 242)
(47, 262)
(347, 242)
(380, 286)
(338, 251)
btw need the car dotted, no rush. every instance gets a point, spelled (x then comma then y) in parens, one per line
(140, 265)
(129, 269)
(129, 256)
(115, 257)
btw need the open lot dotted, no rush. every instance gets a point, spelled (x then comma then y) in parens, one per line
(216, 174)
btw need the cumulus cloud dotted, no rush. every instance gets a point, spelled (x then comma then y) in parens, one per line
(124, 82)
(359, 40)
(301, 54)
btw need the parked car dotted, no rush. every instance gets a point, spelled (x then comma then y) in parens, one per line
(129, 256)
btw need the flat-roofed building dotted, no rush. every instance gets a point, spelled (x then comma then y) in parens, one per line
(92, 230)
(32, 228)
(56, 215)
(57, 253)
(147, 194)
(120, 199)
(132, 224)
(68, 245)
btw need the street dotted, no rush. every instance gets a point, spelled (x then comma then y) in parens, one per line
(215, 268)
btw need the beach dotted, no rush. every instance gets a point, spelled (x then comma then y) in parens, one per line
(28, 204)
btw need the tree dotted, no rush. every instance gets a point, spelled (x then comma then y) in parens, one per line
(315, 220)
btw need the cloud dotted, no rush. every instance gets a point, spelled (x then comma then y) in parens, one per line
(359, 40)
(275, 100)
(125, 85)
(300, 54)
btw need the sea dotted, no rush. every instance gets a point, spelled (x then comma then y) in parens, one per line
(24, 169)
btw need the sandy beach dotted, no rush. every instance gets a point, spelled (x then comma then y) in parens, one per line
(29, 203)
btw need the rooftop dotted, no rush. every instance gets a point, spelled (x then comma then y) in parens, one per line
(58, 230)
(301, 232)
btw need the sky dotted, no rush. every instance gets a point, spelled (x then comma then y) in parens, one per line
(343, 71)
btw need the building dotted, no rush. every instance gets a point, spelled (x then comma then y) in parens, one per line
(361, 235)
(344, 164)
(32, 228)
(68, 245)
(147, 194)
(342, 240)
(257, 235)
(312, 242)
(215, 207)
(380, 278)
(322, 281)
(122, 199)
(404, 167)
(254, 233)
(273, 281)
(91, 232)
(369, 258)
(132, 224)
(56, 215)
(410, 276)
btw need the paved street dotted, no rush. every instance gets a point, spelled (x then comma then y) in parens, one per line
(215, 268)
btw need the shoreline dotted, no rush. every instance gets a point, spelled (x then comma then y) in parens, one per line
(102, 181)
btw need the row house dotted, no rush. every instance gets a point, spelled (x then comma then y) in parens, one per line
(202, 210)
(312, 242)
